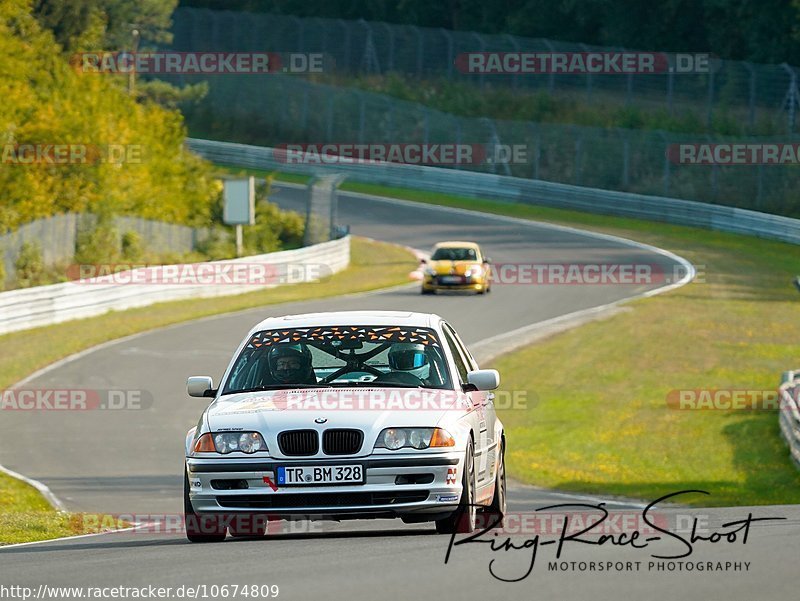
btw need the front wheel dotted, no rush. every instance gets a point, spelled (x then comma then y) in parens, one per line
(497, 510)
(200, 528)
(463, 520)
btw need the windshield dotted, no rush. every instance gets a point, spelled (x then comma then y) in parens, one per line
(454, 254)
(340, 356)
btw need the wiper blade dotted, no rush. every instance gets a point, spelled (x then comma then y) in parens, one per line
(272, 387)
(374, 385)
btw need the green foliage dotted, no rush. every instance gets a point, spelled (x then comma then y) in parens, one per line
(98, 244)
(29, 266)
(218, 245)
(104, 24)
(132, 247)
(47, 102)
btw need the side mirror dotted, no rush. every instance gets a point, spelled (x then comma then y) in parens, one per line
(483, 379)
(487, 260)
(200, 386)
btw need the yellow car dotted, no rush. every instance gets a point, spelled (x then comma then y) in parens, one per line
(456, 266)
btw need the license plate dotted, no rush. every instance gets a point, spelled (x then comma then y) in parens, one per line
(311, 475)
(451, 279)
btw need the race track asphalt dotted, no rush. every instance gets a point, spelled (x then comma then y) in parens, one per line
(131, 462)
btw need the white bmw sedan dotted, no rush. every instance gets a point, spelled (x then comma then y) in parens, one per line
(347, 415)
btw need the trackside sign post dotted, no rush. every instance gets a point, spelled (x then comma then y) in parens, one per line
(240, 206)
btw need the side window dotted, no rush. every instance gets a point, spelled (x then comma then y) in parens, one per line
(460, 366)
(468, 358)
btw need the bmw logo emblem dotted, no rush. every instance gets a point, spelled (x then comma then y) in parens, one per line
(320, 420)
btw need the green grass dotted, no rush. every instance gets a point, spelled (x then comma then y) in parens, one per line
(24, 515)
(601, 423)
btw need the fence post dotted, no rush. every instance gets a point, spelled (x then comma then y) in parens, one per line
(751, 117)
(670, 88)
(346, 61)
(420, 49)
(370, 55)
(482, 46)
(585, 48)
(667, 167)
(626, 159)
(329, 118)
(791, 100)
(450, 58)
(537, 150)
(390, 58)
(515, 45)
(578, 158)
(551, 79)
(362, 117)
(710, 101)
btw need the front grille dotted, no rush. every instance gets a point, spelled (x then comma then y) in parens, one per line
(335, 499)
(342, 442)
(299, 443)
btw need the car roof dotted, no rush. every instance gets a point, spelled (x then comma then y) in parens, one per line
(349, 318)
(456, 244)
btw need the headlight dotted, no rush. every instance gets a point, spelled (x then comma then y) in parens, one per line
(394, 438)
(416, 438)
(430, 271)
(228, 442)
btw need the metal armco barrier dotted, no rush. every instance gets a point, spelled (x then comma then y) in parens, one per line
(46, 305)
(790, 413)
(520, 190)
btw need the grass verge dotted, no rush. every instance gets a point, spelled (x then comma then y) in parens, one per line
(601, 423)
(24, 515)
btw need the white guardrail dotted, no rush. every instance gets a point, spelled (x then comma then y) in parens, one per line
(514, 189)
(790, 412)
(46, 305)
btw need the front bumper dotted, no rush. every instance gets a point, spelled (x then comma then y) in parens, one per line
(436, 283)
(395, 486)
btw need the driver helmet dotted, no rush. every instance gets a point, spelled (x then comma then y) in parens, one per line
(410, 358)
(291, 364)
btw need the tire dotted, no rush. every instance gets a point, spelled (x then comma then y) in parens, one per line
(498, 508)
(427, 291)
(200, 529)
(463, 520)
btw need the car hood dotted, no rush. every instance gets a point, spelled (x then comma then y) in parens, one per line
(368, 409)
(453, 267)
